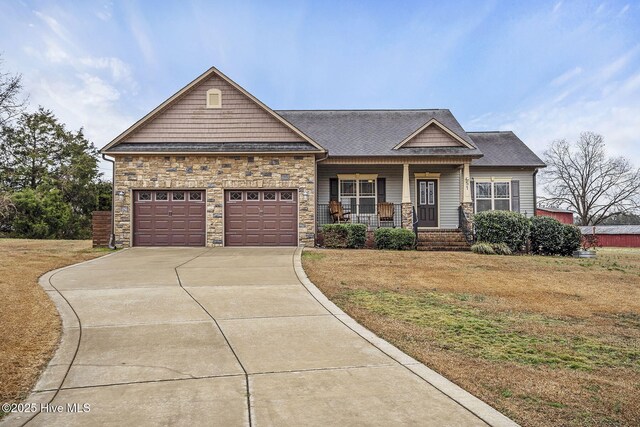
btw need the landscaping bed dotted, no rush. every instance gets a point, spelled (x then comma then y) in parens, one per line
(546, 340)
(29, 319)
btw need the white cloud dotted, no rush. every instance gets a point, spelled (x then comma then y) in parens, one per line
(613, 113)
(566, 76)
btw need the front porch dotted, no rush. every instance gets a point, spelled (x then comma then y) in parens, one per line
(421, 195)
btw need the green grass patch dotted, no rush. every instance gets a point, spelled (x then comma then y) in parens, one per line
(312, 256)
(460, 327)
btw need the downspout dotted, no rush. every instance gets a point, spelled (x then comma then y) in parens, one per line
(535, 193)
(112, 236)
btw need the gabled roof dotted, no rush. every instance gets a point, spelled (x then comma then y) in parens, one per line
(433, 122)
(204, 76)
(504, 149)
(377, 132)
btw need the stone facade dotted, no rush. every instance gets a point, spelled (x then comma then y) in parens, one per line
(407, 216)
(214, 174)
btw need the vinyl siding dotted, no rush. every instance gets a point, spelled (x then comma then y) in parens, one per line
(432, 136)
(392, 173)
(525, 176)
(449, 192)
(239, 120)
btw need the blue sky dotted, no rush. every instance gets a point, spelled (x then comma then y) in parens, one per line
(546, 70)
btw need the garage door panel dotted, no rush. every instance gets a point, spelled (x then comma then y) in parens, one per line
(168, 222)
(261, 221)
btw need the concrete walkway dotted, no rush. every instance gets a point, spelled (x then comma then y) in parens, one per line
(156, 336)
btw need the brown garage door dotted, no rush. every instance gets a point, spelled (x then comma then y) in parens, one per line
(261, 218)
(169, 218)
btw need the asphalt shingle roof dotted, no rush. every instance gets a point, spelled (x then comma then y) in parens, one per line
(374, 132)
(503, 149)
(610, 229)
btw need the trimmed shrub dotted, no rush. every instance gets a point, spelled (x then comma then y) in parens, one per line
(483, 248)
(571, 239)
(510, 228)
(546, 236)
(344, 235)
(501, 249)
(394, 238)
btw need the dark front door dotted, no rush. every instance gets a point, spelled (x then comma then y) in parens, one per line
(261, 218)
(427, 202)
(169, 218)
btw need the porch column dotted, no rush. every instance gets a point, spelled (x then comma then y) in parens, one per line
(407, 212)
(466, 184)
(466, 203)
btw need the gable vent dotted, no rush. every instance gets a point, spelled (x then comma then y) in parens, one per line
(214, 98)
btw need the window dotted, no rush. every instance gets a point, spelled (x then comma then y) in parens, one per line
(359, 193)
(178, 196)
(214, 98)
(195, 196)
(235, 195)
(253, 195)
(162, 196)
(269, 195)
(493, 196)
(286, 195)
(431, 193)
(144, 196)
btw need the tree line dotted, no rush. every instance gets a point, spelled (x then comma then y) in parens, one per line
(49, 176)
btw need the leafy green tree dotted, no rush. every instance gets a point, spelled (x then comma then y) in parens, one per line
(39, 154)
(41, 215)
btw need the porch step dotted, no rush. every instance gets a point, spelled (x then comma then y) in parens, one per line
(442, 240)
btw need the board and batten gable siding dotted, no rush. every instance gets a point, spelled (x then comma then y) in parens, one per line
(239, 119)
(449, 192)
(525, 176)
(432, 136)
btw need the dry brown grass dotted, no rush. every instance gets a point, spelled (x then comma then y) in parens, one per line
(29, 320)
(548, 341)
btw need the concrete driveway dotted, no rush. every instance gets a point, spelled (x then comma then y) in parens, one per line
(228, 337)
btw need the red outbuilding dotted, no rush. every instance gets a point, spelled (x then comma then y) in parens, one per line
(622, 236)
(564, 216)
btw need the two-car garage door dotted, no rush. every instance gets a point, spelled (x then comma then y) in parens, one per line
(251, 218)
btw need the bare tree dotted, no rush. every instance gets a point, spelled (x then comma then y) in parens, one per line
(582, 178)
(11, 104)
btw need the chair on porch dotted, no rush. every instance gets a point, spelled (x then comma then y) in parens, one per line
(337, 212)
(385, 212)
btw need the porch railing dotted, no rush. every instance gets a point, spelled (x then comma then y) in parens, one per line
(359, 214)
(466, 225)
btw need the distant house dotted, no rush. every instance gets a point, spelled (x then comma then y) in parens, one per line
(622, 236)
(562, 215)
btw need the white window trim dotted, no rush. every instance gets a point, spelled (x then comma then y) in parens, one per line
(493, 182)
(214, 91)
(357, 178)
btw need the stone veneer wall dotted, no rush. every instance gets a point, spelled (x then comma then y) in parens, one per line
(214, 174)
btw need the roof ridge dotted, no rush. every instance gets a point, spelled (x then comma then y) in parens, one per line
(490, 131)
(364, 110)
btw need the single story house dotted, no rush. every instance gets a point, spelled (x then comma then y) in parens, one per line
(214, 166)
(562, 215)
(621, 236)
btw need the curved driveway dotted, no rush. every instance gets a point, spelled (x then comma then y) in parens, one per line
(156, 336)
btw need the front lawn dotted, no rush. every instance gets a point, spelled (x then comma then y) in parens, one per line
(546, 340)
(29, 321)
